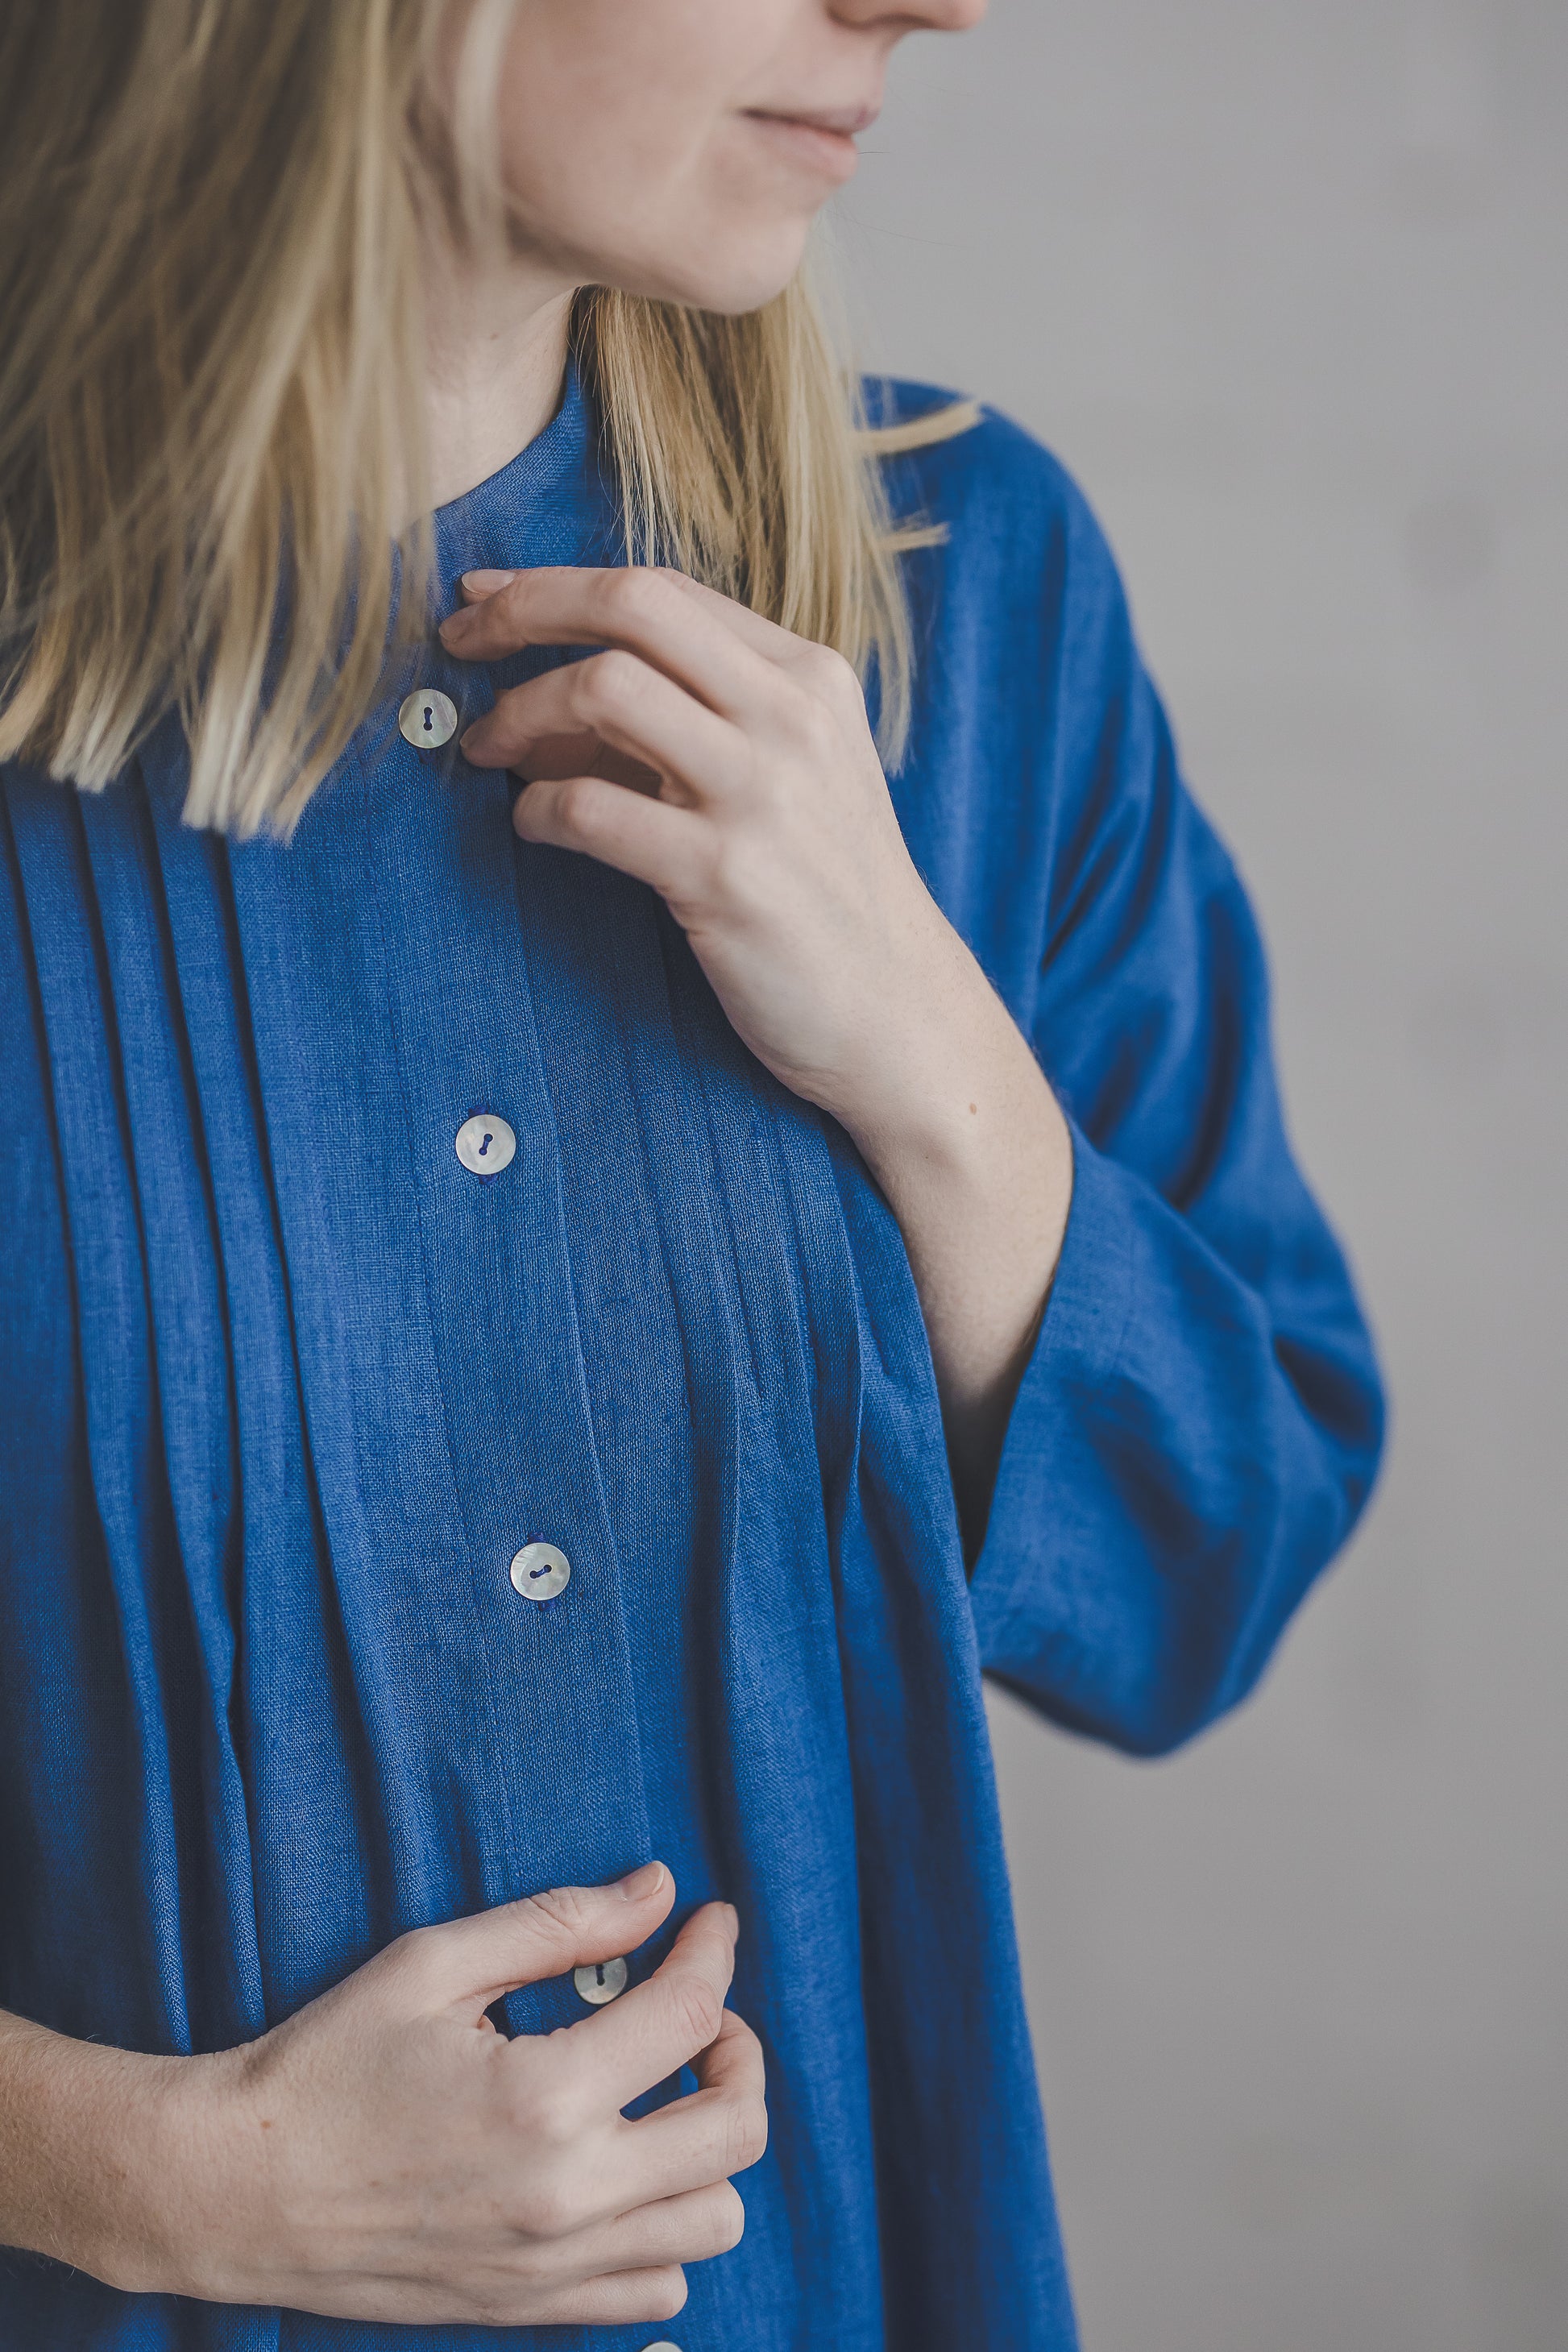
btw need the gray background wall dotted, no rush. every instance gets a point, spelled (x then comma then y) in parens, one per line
(1284, 282)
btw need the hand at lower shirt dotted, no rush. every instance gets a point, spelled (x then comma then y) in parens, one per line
(386, 2155)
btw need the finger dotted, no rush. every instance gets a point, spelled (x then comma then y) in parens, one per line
(754, 629)
(691, 2228)
(658, 2027)
(693, 2143)
(622, 2299)
(773, 643)
(716, 2131)
(466, 1964)
(614, 699)
(802, 658)
(475, 586)
(816, 668)
(637, 608)
(732, 2065)
(666, 848)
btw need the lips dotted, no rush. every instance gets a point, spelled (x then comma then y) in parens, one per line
(840, 122)
(818, 140)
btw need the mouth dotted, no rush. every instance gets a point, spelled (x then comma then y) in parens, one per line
(821, 138)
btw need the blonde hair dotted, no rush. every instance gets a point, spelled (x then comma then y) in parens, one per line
(212, 220)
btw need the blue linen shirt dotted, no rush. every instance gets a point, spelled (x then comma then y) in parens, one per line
(286, 1387)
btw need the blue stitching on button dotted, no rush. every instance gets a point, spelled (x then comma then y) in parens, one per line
(550, 1602)
(483, 1110)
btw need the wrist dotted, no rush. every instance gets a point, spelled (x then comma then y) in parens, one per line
(88, 2155)
(128, 2171)
(156, 2143)
(942, 1081)
(207, 2218)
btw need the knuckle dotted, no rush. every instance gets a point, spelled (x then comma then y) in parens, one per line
(609, 682)
(635, 593)
(820, 728)
(829, 675)
(412, 1963)
(560, 1913)
(667, 2294)
(576, 804)
(551, 2114)
(699, 2009)
(727, 871)
(744, 881)
(729, 2220)
(747, 2133)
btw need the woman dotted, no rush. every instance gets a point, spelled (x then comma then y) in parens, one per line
(530, 1390)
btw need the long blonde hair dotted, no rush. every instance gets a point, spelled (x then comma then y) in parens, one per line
(212, 220)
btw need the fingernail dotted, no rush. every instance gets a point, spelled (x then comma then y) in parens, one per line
(484, 583)
(639, 1884)
(452, 627)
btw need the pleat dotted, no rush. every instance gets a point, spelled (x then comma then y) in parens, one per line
(171, 1749)
(944, 2004)
(768, 1607)
(131, 1741)
(318, 1840)
(188, 1301)
(68, 1738)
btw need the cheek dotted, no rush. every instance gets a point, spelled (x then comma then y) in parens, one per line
(624, 157)
(674, 203)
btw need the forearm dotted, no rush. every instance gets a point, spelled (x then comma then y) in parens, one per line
(89, 2139)
(957, 1124)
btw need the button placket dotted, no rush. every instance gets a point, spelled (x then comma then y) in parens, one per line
(505, 1325)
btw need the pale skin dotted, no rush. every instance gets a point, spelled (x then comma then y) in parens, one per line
(384, 2153)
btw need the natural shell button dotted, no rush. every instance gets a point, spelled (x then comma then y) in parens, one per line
(539, 1572)
(485, 1144)
(601, 1982)
(428, 719)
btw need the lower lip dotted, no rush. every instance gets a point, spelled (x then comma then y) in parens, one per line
(831, 154)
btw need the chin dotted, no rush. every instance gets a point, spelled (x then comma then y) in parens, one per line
(730, 278)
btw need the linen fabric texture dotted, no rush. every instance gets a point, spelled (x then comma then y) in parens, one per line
(286, 1387)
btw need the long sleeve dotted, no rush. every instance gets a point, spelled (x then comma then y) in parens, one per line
(1201, 1419)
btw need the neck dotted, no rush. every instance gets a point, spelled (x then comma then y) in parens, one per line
(497, 345)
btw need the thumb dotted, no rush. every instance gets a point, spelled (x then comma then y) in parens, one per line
(466, 1964)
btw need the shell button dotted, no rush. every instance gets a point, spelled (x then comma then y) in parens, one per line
(428, 719)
